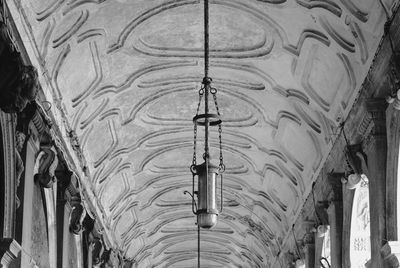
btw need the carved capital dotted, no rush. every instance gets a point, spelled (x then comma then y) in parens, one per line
(321, 210)
(97, 250)
(9, 251)
(335, 181)
(45, 166)
(377, 110)
(112, 259)
(391, 254)
(77, 216)
(356, 158)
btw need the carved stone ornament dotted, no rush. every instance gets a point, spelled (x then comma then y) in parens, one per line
(97, 247)
(300, 263)
(18, 83)
(97, 251)
(111, 259)
(45, 166)
(19, 143)
(395, 100)
(357, 161)
(360, 245)
(76, 217)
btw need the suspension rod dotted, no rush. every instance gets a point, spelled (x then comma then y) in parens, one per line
(206, 39)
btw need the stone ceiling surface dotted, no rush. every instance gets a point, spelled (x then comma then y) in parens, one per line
(126, 74)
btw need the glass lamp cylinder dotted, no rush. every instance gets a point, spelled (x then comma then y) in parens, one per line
(207, 212)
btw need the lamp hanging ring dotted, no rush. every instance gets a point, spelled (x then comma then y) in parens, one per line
(213, 90)
(201, 91)
(193, 169)
(213, 119)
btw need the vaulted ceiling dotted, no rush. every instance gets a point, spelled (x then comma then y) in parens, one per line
(125, 76)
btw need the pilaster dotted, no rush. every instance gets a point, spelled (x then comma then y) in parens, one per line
(376, 150)
(392, 185)
(309, 250)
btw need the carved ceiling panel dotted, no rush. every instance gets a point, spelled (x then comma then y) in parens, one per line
(126, 74)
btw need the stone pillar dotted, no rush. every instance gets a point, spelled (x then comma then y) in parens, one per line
(32, 148)
(9, 251)
(376, 149)
(309, 254)
(66, 236)
(348, 197)
(335, 215)
(392, 185)
(63, 180)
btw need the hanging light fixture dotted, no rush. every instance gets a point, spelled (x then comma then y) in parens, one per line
(206, 207)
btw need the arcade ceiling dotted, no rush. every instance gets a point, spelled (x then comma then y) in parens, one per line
(123, 76)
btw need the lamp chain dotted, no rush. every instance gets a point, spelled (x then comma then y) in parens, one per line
(213, 91)
(194, 161)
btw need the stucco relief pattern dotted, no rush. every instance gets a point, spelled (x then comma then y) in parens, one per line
(126, 74)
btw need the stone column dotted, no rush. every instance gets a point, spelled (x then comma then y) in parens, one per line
(392, 185)
(376, 148)
(63, 180)
(9, 251)
(391, 250)
(335, 215)
(32, 148)
(309, 251)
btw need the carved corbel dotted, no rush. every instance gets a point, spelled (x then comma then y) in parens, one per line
(357, 163)
(97, 247)
(77, 216)
(111, 259)
(45, 166)
(395, 100)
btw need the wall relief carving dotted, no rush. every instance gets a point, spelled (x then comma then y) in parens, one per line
(45, 166)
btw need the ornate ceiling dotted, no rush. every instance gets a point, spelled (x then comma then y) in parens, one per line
(125, 75)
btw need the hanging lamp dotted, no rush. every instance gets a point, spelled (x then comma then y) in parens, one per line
(206, 207)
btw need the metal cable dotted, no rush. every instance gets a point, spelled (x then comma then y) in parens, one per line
(206, 39)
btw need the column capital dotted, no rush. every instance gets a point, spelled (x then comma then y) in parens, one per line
(377, 110)
(335, 181)
(9, 251)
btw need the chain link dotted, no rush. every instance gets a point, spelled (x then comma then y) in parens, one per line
(194, 160)
(213, 91)
(221, 159)
(194, 145)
